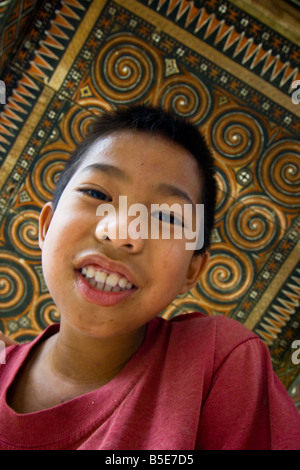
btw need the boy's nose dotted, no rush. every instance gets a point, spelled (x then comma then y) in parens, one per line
(118, 231)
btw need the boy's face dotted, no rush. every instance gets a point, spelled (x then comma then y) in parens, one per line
(147, 169)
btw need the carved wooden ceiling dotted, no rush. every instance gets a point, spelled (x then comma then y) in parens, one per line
(228, 66)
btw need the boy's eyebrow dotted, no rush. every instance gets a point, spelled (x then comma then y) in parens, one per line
(109, 169)
(170, 190)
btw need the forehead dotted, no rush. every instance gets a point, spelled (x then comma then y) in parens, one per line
(145, 159)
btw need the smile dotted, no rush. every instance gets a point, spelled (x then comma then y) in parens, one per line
(110, 297)
(103, 281)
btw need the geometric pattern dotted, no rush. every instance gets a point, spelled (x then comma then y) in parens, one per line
(14, 19)
(210, 62)
(261, 51)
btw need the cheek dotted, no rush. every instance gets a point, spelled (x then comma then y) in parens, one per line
(65, 228)
(59, 242)
(171, 267)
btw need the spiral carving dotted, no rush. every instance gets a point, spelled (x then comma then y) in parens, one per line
(279, 173)
(123, 71)
(48, 313)
(224, 185)
(254, 224)
(22, 230)
(47, 171)
(75, 125)
(227, 277)
(15, 290)
(186, 97)
(185, 305)
(237, 135)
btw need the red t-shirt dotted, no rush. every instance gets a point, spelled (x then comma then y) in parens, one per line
(197, 382)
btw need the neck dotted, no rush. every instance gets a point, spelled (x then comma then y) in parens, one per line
(83, 359)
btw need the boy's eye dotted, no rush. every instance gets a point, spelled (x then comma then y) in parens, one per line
(95, 193)
(168, 217)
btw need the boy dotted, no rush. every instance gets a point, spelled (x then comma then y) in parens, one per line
(114, 375)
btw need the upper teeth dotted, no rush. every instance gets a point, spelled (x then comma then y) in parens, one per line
(104, 281)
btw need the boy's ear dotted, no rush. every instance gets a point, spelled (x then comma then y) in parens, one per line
(196, 268)
(44, 222)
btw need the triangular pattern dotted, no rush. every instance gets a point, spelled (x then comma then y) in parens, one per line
(5, 121)
(4, 130)
(29, 83)
(57, 32)
(279, 321)
(51, 41)
(287, 309)
(184, 6)
(60, 30)
(172, 5)
(232, 38)
(38, 64)
(45, 51)
(61, 21)
(281, 312)
(18, 96)
(67, 11)
(74, 3)
(251, 50)
(289, 74)
(269, 61)
(270, 331)
(243, 42)
(14, 108)
(17, 104)
(40, 67)
(224, 29)
(203, 19)
(212, 26)
(277, 69)
(192, 14)
(246, 49)
(160, 4)
(259, 56)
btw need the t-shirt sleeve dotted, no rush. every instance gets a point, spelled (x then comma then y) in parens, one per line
(247, 407)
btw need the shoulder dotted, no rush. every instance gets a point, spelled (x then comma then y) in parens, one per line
(224, 329)
(215, 335)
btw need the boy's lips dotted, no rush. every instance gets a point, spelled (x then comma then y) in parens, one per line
(102, 263)
(100, 297)
(102, 281)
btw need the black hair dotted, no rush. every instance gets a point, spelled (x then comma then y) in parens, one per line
(156, 121)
